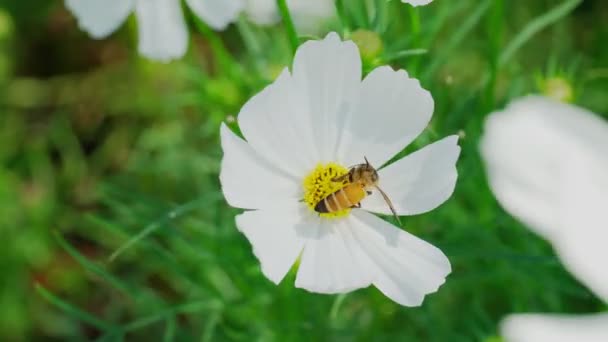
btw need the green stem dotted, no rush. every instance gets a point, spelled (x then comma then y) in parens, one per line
(288, 22)
(341, 11)
(415, 27)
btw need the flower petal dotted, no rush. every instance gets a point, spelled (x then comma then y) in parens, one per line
(555, 328)
(328, 75)
(277, 126)
(405, 268)
(274, 238)
(250, 182)
(546, 163)
(100, 17)
(163, 34)
(332, 261)
(391, 111)
(419, 182)
(417, 2)
(217, 13)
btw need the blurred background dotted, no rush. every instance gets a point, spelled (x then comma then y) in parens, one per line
(102, 149)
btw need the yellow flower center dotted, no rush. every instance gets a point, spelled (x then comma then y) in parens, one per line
(320, 183)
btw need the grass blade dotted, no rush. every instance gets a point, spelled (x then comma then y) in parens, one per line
(150, 228)
(536, 26)
(72, 310)
(89, 265)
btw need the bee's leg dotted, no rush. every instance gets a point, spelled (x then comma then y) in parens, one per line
(368, 192)
(358, 205)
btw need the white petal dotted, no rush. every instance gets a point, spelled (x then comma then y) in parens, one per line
(419, 182)
(555, 328)
(217, 13)
(100, 17)
(547, 166)
(250, 182)
(391, 111)
(332, 261)
(163, 34)
(274, 238)
(405, 267)
(328, 74)
(417, 2)
(583, 229)
(277, 126)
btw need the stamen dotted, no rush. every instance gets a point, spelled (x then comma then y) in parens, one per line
(318, 185)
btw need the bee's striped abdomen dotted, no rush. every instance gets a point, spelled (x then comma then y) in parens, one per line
(347, 197)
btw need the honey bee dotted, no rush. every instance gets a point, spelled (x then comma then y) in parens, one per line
(359, 180)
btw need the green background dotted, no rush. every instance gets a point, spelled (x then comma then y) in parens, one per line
(99, 147)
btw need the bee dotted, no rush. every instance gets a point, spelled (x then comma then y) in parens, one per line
(359, 180)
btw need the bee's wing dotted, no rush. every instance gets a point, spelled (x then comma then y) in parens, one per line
(390, 204)
(341, 178)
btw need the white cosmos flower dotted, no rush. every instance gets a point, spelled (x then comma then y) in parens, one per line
(321, 114)
(163, 34)
(547, 163)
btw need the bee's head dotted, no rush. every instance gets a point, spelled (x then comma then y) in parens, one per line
(369, 173)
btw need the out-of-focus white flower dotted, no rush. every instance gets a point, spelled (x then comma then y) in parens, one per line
(547, 164)
(302, 131)
(163, 34)
(307, 14)
(417, 2)
(555, 328)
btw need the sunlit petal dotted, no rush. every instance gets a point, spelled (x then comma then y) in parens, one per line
(391, 110)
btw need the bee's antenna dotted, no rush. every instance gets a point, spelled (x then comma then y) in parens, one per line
(390, 204)
(366, 161)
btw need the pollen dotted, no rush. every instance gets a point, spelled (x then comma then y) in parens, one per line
(319, 184)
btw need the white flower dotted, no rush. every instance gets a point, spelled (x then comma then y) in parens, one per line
(547, 164)
(321, 114)
(163, 34)
(417, 2)
(555, 328)
(306, 14)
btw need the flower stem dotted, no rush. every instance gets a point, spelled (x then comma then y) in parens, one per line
(288, 22)
(343, 16)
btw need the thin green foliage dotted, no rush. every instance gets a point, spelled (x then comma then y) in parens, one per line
(289, 25)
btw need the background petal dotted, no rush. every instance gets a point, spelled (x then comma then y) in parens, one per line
(217, 13)
(555, 328)
(274, 238)
(390, 112)
(419, 182)
(250, 182)
(417, 2)
(328, 75)
(405, 268)
(547, 165)
(332, 261)
(100, 17)
(163, 34)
